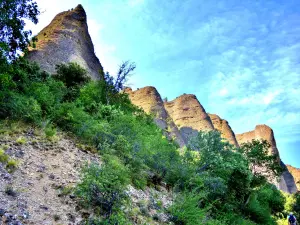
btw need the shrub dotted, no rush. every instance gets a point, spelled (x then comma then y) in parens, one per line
(186, 210)
(104, 187)
(73, 76)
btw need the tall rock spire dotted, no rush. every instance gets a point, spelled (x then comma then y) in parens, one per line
(66, 39)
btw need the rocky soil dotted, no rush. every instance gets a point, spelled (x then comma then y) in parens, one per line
(40, 189)
(37, 191)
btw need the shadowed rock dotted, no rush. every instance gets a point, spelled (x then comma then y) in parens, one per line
(66, 39)
(296, 174)
(150, 101)
(223, 127)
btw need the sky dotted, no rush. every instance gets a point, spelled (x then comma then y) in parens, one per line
(240, 58)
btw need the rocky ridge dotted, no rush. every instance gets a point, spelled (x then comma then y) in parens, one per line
(189, 116)
(66, 39)
(224, 128)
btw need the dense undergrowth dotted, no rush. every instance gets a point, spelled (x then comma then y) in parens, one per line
(211, 180)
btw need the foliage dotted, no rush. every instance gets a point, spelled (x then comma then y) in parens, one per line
(104, 187)
(261, 163)
(13, 37)
(73, 76)
(212, 180)
(186, 210)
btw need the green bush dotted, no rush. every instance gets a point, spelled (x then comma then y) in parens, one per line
(185, 210)
(24, 108)
(104, 187)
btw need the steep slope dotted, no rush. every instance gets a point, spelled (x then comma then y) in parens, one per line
(188, 115)
(264, 132)
(40, 186)
(66, 39)
(225, 129)
(150, 101)
(296, 174)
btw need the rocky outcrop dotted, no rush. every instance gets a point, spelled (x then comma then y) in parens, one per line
(224, 128)
(66, 39)
(150, 101)
(188, 115)
(286, 182)
(261, 132)
(296, 174)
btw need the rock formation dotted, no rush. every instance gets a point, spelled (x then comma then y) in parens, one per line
(263, 132)
(66, 39)
(150, 101)
(296, 174)
(188, 115)
(223, 127)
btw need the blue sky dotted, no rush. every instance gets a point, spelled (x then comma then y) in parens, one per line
(241, 58)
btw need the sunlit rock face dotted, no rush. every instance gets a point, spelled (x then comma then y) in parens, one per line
(66, 39)
(224, 128)
(262, 132)
(286, 182)
(188, 115)
(150, 101)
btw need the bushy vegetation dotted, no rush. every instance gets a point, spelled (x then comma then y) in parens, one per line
(212, 181)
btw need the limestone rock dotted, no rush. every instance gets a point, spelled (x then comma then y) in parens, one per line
(188, 115)
(66, 39)
(223, 126)
(150, 101)
(296, 174)
(263, 132)
(287, 181)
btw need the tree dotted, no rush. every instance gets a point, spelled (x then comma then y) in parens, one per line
(13, 37)
(113, 86)
(261, 163)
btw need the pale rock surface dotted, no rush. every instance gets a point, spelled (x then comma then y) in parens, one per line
(224, 128)
(66, 39)
(188, 115)
(150, 101)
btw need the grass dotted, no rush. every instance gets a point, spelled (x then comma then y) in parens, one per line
(21, 141)
(11, 165)
(3, 157)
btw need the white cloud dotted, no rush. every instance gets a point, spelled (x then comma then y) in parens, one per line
(223, 92)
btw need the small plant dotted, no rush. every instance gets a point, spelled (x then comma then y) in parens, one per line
(50, 131)
(11, 165)
(10, 191)
(21, 141)
(3, 157)
(56, 217)
(64, 191)
(5, 147)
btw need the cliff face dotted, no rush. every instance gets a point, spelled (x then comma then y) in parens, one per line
(296, 174)
(263, 132)
(224, 128)
(150, 101)
(188, 115)
(66, 39)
